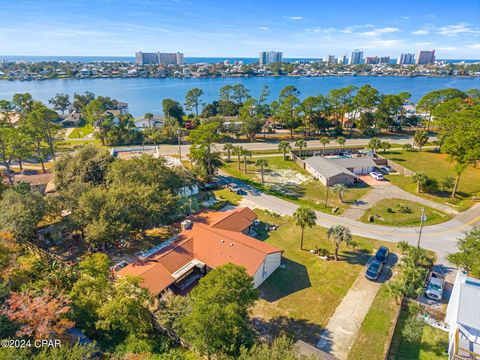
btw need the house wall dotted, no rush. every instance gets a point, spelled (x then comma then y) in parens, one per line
(361, 170)
(269, 265)
(341, 179)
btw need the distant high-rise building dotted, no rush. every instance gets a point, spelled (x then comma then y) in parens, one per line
(406, 59)
(426, 57)
(372, 60)
(344, 60)
(142, 58)
(384, 60)
(357, 57)
(268, 57)
(331, 59)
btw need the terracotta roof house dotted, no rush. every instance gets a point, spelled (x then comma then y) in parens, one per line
(208, 240)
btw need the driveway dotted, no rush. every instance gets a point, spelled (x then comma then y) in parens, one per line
(367, 179)
(342, 329)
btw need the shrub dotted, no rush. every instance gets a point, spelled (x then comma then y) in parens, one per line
(430, 185)
(447, 183)
(407, 147)
(322, 252)
(369, 132)
(390, 210)
(403, 209)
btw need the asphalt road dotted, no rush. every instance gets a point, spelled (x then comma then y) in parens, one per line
(271, 144)
(440, 238)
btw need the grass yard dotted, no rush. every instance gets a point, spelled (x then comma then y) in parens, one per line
(299, 299)
(81, 132)
(376, 329)
(399, 212)
(432, 345)
(227, 195)
(310, 192)
(437, 166)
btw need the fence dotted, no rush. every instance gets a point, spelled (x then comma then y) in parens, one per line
(398, 168)
(392, 331)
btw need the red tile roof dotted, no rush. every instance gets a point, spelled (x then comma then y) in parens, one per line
(214, 238)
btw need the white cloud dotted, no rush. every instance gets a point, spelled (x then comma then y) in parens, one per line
(296, 18)
(319, 30)
(426, 43)
(474, 46)
(420, 32)
(447, 48)
(406, 17)
(379, 31)
(453, 30)
(264, 28)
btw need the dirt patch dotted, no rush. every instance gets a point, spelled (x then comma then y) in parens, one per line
(286, 181)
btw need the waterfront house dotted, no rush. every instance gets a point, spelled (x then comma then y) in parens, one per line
(207, 240)
(463, 317)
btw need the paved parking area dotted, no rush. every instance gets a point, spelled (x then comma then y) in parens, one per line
(367, 179)
(343, 327)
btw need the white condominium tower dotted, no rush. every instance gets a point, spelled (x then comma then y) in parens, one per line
(142, 58)
(357, 57)
(268, 57)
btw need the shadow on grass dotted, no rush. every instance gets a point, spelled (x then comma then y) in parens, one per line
(359, 257)
(283, 282)
(282, 325)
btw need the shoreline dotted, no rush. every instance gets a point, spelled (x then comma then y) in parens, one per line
(247, 77)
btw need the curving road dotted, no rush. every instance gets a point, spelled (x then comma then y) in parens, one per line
(440, 238)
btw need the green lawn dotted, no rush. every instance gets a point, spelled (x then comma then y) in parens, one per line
(311, 193)
(300, 299)
(389, 212)
(81, 132)
(371, 342)
(432, 346)
(227, 195)
(435, 165)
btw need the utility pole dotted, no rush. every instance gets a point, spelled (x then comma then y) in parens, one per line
(326, 196)
(422, 219)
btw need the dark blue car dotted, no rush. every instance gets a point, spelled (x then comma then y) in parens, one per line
(374, 270)
(382, 254)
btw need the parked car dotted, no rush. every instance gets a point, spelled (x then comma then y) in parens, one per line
(9, 172)
(385, 169)
(434, 288)
(234, 188)
(376, 175)
(374, 270)
(382, 254)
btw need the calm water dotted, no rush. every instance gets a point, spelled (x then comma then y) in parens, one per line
(145, 95)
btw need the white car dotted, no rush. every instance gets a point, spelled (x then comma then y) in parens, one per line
(434, 288)
(376, 175)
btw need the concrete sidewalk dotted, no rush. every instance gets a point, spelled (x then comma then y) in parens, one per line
(343, 327)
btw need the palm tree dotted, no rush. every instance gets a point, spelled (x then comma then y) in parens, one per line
(262, 164)
(284, 146)
(339, 234)
(246, 153)
(339, 189)
(148, 116)
(228, 148)
(420, 179)
(420, 139)
(237, 150)
(341, 141)
(304, 217)
(301, 144)
(324, 141)
(374, 144)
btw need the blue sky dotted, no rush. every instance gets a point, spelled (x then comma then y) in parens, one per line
(239, 28)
